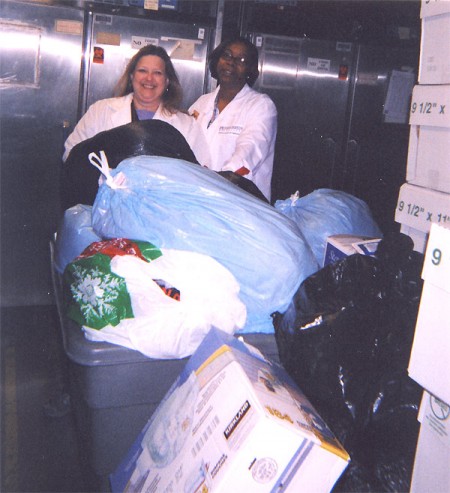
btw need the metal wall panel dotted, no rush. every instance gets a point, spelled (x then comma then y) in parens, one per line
(48, 78)
(41, 49)
(119, 37)
(333, 130)
(309, 81)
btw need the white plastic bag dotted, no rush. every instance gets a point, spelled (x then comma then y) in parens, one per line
(164, 327)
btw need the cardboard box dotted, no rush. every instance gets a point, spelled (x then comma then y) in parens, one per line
(430, 106)
(420, 207)
(431, 470)
(434, 7)
(418, 237)
(434, 59)
(428, 162)
(232, 422)
(429, 363)
(341, 246)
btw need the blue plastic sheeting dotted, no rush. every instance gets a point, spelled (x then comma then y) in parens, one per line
(327, 212)
(176, 204)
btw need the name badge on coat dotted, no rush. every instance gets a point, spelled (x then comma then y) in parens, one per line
(232, 129)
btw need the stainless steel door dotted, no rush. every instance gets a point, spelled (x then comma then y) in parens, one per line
(376, 144)
(41, 49)
(336, 128)
(309, 81)
(117, 38)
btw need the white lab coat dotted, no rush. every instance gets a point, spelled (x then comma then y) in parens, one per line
(113, 112)
(243, 134)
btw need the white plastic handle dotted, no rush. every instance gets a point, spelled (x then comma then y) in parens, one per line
(101, 163)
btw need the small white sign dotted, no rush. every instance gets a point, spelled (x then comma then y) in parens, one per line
(137, 42)
(319, 65)
(68, 27)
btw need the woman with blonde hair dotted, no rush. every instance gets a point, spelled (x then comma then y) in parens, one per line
(148, 89)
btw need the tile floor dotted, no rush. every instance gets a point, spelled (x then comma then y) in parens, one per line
(38, 453)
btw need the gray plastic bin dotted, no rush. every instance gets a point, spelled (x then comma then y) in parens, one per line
(115, 390)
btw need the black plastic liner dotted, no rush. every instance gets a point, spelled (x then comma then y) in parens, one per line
(79, 179)
(346, 340)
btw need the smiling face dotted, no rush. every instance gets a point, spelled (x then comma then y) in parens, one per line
(149, 82)
(233, 66)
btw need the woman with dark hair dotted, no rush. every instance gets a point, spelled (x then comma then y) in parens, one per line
(148, 89)
(239, 123)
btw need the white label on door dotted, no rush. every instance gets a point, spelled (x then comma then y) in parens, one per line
(318, 65)
(137, 42)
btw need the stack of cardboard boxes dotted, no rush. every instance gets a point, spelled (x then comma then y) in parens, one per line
(423, 211)
(429, 366)
(425, 197)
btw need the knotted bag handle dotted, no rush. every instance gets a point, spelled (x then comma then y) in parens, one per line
(101, 163)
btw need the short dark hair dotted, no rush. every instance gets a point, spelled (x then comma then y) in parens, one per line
(172, 97)
(252, 67)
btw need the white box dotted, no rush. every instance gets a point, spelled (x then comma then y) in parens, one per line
(232, 422)
(434, 7)
(434, 58)
(431, 472)
(429, 364)
(418, 237)
(430, 106)
(341, 246)
(420, 207)
(428, 162)
(436, 267)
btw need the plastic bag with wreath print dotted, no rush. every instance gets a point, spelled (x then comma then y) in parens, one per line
(98, 297)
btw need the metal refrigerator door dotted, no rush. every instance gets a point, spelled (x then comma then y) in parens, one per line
(376, 149)
(117, 38)
(309, 81)
(40, 52)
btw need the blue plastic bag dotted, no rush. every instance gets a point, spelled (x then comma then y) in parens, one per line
(176, 204)
(75, 233)
(327, 212)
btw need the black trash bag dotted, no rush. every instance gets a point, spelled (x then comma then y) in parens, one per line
(79, 179)
(243, 183)
(346, 339)
(323, 342)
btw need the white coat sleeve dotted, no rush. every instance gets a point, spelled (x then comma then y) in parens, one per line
(96, 119)
(197, 142)
(84, 129)
(257, 140)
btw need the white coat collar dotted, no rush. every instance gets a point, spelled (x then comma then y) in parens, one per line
(121, 109)
(245, 90)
